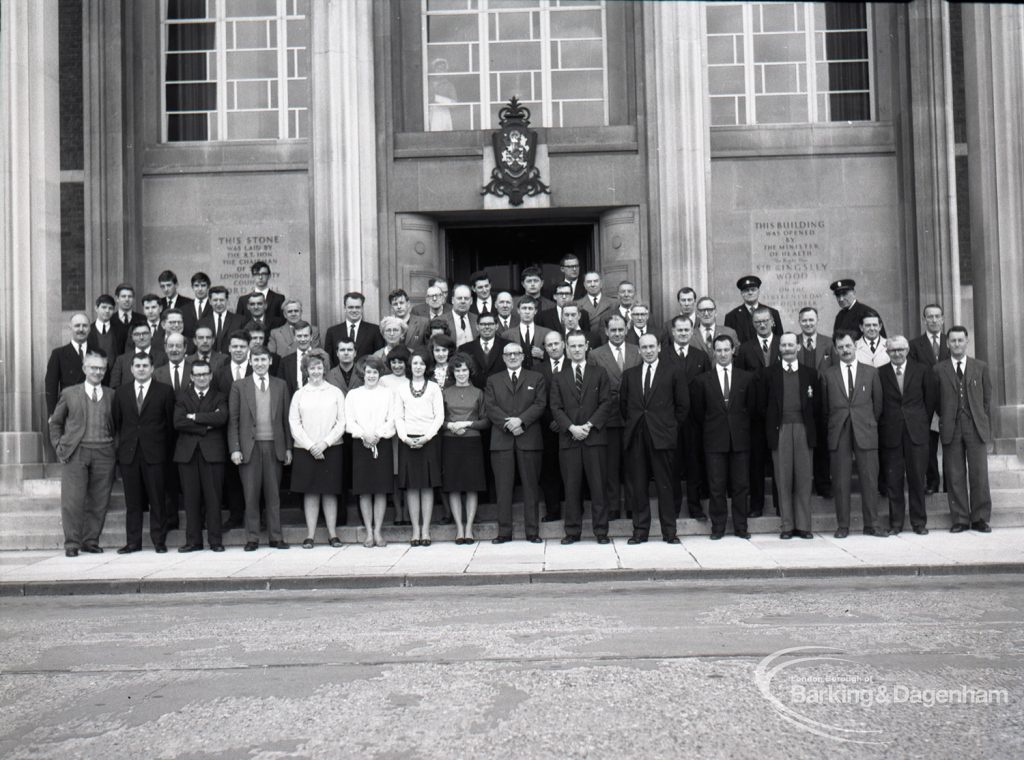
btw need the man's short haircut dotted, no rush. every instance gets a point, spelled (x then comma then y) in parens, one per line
(200, 277)
(123, 286)
(254, 326)
(343, 339)
(844, 334)
(624, 282)
(167, 276)
(170, 313)
(141, 356)
(932, 306)
(302, 325)
(103, 298)
(639, 305)
(202, 327)
(256, 296)
(397, 293)
(436, 280)
(218, 290)
(288, 302)
(564, 286)
(259, 351)
(140, 326)
(807, 309)
(762, 310)
(150, 298)
(870, 314)
(527, 300)
(702, 299)
(790, 332)
(567, 257)
(97, 352)
(679, 318)
(257, 266)
(570, 305)
(240, 335)
(592, 271)
(468, 289)
(957, 329)
(487, 315)
(200, 363)
(724, 338)
(354, 294)
(531, 271)
(479, 277)
(686, 289)
(574, 333)
(613, 316)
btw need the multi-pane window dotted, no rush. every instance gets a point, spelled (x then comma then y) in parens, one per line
(477, 54)
(235, 70)
(789, 63)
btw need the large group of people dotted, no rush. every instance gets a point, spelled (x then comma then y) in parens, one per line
(570, 390)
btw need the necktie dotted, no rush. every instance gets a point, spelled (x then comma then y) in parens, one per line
(558, 367)
(200, 305)
(764, 350)
(959, 372)
(647, 382)
(238, 372)
(81, 352)
(515, 379)
(529, 337)
(220, 325)
(899, 378)
(618, 357)
(725, 389)
(263, 384)
(177, 377)
(849, 380)
(95, 393)
(351, 331)
(707, 336)
(809, 344)
(139, 399)
(579, 380)
(595, 302)
(462, 321)
(872, 347)
(103, 329)
(124, 318)
(486, 346)
(935, 346)
(201, 394)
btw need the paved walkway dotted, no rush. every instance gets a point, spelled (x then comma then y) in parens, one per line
(443, 563)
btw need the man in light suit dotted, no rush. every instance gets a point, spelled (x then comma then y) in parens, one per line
(200, 417)
(909, 399)
(527, 334)
(260, 441)
(965, 405)
(615, 357)
(82, 434)
(929, 349)
(707, 328)
(515, 400)
(654, 402)
(581, 403)
(852, 399)
(461, 321)
(416, 328)
(594, 302)
(220, 320)
(282, 339)
(274, 301)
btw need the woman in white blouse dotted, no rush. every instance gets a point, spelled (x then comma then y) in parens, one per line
(419, 415)
(317, 420)
(369, 413)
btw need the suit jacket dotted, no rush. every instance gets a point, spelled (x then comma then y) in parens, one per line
(231, 321)
(696, 362)
(368, 339)
(224, 378)
(282, 340)
(423, 310)
(921, 350)
(335, 378)
(749, 357)
(593, 405)
(596, 314)
(150, 430)
(978, 390)
(725, 428)
(275, 304)
(417, 332)
(162, 374)
(242, 417)
(191, 320)
(543, 303)
(849, 320)
(181, 303)
(632, 337)
(824, 355)
(740, 320)
(121, 372)
(450, 317)
(68, 421)
(486, 365)
(63, 370)
(474, 309)
(112, 342)
(513, 321)
(550, 320)
(515, 335)
(287, 370)
(160, 337)
(216, 360)
(665, 409)
(772, 380)
(527, 400)
(604, 358)
(862, 411)
(911, 410)
(207, 431)
(268, 322)
(697, 340)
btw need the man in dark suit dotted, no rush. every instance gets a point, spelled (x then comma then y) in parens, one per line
(171, 299)
(151, 311)
(741, 319)
(364, 335)
(965, 408)
(851, 397)
(532, 279)
(614, 357)
(553, 319)
(105, 332)
(515, 400)
(483, 300)
(144, 418)
(124, 294)
(909, 399)
(817, 351)
(200, 417)
(436, 296)
(237, 366)
(527, 333)
(257, 312)
(289, 368)
(639, 323)
(486, 350)
(82, 433)
(258, 337)
(654, 402)
(929, 349)
(723, 401)
(141, 341)
(260, 441)
(790, 393)
(274, 301)
(177, 372)
(171, 322)
(851, 311)
(416, 328)
(570, 266)
(200, 306)
(507, 315)
(686, 297)
(220, 320)
(205, 351)
(689, 459)
(581, 403)
(64, 367)
(550, 474)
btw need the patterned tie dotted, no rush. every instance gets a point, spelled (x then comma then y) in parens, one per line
(558, 367)
(708, 336)
(238, 372)
(351, 332)
(872, 347)
(579, 381)
(486, 346)
(647, 382)
(95, 393)
(809, 344)
(139, 399)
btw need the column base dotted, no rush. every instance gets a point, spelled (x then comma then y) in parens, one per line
(21, 457)
(1009, 430)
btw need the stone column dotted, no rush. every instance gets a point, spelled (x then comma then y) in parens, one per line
(680, 151)
(343, 169)
(994, 84)
(29, 220)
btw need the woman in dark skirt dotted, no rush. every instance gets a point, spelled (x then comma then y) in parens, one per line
(419, 414)
(317, 420)
(369, 414)
(463, 454)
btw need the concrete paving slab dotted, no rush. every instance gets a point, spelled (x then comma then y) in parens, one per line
(730, 551)
(654, 554)
(585, 555)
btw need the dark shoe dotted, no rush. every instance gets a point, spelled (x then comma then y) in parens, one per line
(334, 542)
(756, 513)
(568, 540)
(959, 528)
(535, 539)
(603, 540)
(160, 549)
(129, 549)
(501, 540)
(307, 543)
(252, 546)
(551, 518)
(981, 526)
(742, 534)
(425, 542)
(920, 530)
(216, 547)
(278, 545)
(872, 532)
(189, 548)
(786, 535)
(230, 523)
(717, 536)
(803, 534)
(673, 540)
(841, 533)
(700, 517)
(92, 549)
(634, 540)
(930, 490)
(460, 541)
(72, 552)
(894, 531)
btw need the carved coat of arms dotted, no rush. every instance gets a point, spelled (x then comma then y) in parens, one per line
(515, 149)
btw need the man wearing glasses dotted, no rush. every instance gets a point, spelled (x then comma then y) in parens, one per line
(570, 266)
(706, 330)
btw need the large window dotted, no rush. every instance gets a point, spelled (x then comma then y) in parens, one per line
(789, 63)
(477, 54)
(235, 70)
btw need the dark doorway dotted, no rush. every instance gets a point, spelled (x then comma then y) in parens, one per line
(503, 252)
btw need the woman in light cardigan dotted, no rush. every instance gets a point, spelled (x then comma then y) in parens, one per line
(369, 411)
(419, 415)
(317, 420)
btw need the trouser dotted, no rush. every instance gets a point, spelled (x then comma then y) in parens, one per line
(728, 471)
(617, 488)
(142, 482)
(793, 474)
(551, 476)
(577, 462)
(643, 461)
(965, 464)
(262, 475)
(85, 484)
(842, 476)
(201, 484)
(906, 463)
(760, 467)
(932, 476)
(687, 464)
(505, 463)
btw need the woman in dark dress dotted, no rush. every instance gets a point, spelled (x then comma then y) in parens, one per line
(463, 453)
